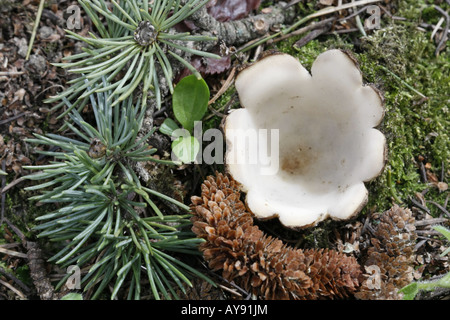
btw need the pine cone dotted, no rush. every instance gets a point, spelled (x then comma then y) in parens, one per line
(259, 263)
(389, 264)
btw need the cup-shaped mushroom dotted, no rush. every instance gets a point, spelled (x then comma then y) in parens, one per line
(302, 145)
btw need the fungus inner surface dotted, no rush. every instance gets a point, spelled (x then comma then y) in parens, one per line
(327, 145)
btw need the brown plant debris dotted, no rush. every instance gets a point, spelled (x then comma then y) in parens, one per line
(390, 258)
(201, 290)
(38, 272)
(259, 263)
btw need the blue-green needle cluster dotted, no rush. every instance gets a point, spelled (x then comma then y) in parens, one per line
(133, 44)
(105, 218)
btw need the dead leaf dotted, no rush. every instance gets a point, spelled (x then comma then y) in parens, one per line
(225, 10)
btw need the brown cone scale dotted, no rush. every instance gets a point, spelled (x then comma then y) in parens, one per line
(261, 264)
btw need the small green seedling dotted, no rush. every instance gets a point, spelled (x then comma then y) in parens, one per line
(72, 296)
(189, 102)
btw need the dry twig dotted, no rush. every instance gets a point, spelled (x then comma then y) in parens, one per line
(12, 288)
(19, 283)
(444, 35)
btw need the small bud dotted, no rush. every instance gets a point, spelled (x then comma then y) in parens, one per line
(145, 34)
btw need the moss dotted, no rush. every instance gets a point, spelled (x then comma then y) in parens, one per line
(305, 8)
(414, 126)
(2, 234)
(23, 213)
(399, 59)
(416, 11)
(430, 15)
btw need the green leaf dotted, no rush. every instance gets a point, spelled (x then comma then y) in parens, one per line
(446, 233)
(186, 148)
(410, 291)
(168, 127)
(444, 282)
(190, 101)
(443, 230)
(72, 296)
